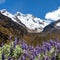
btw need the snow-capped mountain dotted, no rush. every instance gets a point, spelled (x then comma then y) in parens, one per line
(27, 27)
(53, 27)
(32, 24)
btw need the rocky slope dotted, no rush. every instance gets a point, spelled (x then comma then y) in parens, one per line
(10, 28)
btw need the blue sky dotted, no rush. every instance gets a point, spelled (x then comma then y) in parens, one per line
(37, 8)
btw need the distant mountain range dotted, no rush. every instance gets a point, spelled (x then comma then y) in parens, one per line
(27, 27)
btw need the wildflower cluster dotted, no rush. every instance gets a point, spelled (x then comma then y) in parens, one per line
(21, 51)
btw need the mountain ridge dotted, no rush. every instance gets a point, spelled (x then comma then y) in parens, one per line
(32, 24)
(15, 28)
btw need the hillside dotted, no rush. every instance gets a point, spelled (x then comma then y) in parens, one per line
(11, 28)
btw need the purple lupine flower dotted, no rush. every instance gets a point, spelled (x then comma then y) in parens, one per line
(26, 53)
(57, 46)
(43, 49)
(24, 45)
(51, 42)
(9, 58)
(35, 52)
(3, 57)
(31, 57)
(46, 58)
(15, 42)
(37, 49)
(31, 48)
(23, 58)
(48, 46)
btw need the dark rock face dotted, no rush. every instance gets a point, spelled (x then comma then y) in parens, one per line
(10, 28)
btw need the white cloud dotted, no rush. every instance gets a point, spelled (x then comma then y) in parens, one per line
(2, 1)
(54, 15)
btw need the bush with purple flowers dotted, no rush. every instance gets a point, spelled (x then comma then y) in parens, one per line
(21, 51)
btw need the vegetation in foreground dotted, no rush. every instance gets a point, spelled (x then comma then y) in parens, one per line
(19, 50)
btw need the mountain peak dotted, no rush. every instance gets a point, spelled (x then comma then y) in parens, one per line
(33, 24)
